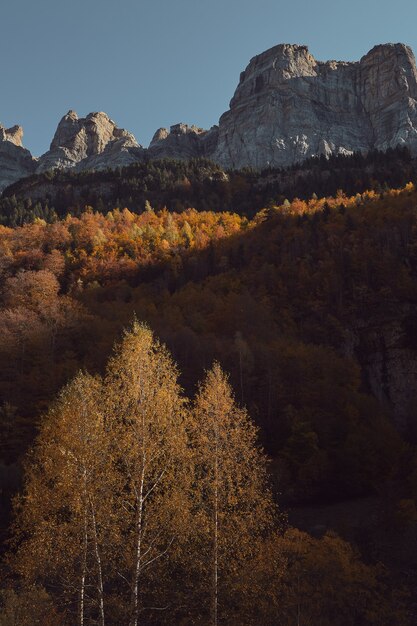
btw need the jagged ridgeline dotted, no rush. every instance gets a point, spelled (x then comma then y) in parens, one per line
(287, 107)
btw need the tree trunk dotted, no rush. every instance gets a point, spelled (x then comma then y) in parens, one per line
(99, 567)
(83, 572)
(216, 523)
(136, 575)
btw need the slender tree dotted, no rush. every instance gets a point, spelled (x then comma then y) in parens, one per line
(64, 509)
(234, 507)
(145, 417)
(138, 509)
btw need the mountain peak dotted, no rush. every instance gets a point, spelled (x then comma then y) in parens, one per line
(71, 115)
(78, 139)
(13, 134)
(287, 107)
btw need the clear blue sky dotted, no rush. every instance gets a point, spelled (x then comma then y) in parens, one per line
(152, 63)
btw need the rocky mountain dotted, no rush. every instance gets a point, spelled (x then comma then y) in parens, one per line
(92, 142)
(15, 161)
(180, 141)
(287, 107)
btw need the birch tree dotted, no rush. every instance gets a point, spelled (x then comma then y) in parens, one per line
(138, 509)
(234, 508)
(145, 417)
(64, 513)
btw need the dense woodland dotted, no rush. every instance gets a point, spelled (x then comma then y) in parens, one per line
(268, 296)
(201, 184)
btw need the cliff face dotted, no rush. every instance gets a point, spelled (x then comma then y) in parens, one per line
(15, 161)
(288, 107)
(385, 345)
(180, 141)
(93, 142)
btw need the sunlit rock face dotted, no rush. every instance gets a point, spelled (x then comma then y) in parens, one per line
(92, 142)
(288, 107)
(180, 141)
(15, 161)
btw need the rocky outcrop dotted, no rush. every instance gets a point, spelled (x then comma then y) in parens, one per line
(385, 345)
(182, 142)
(93, 142)
(288, 107)
(13, 134)
(15, 161)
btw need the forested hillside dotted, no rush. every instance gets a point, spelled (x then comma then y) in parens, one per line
(309, 304)
(201, 184)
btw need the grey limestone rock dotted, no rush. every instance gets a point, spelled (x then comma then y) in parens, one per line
(15, 161)
(179, 142)
(385, 346)
(93, 142)
(288, 107)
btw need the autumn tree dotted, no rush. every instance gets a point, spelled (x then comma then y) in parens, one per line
(234, 510)
(146, 421)
(327, 583)
(30, 607)
(64, 514)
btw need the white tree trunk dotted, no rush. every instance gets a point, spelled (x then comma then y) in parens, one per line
(99, 567)
(216, 523)
(83, 572)
(138, 556)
